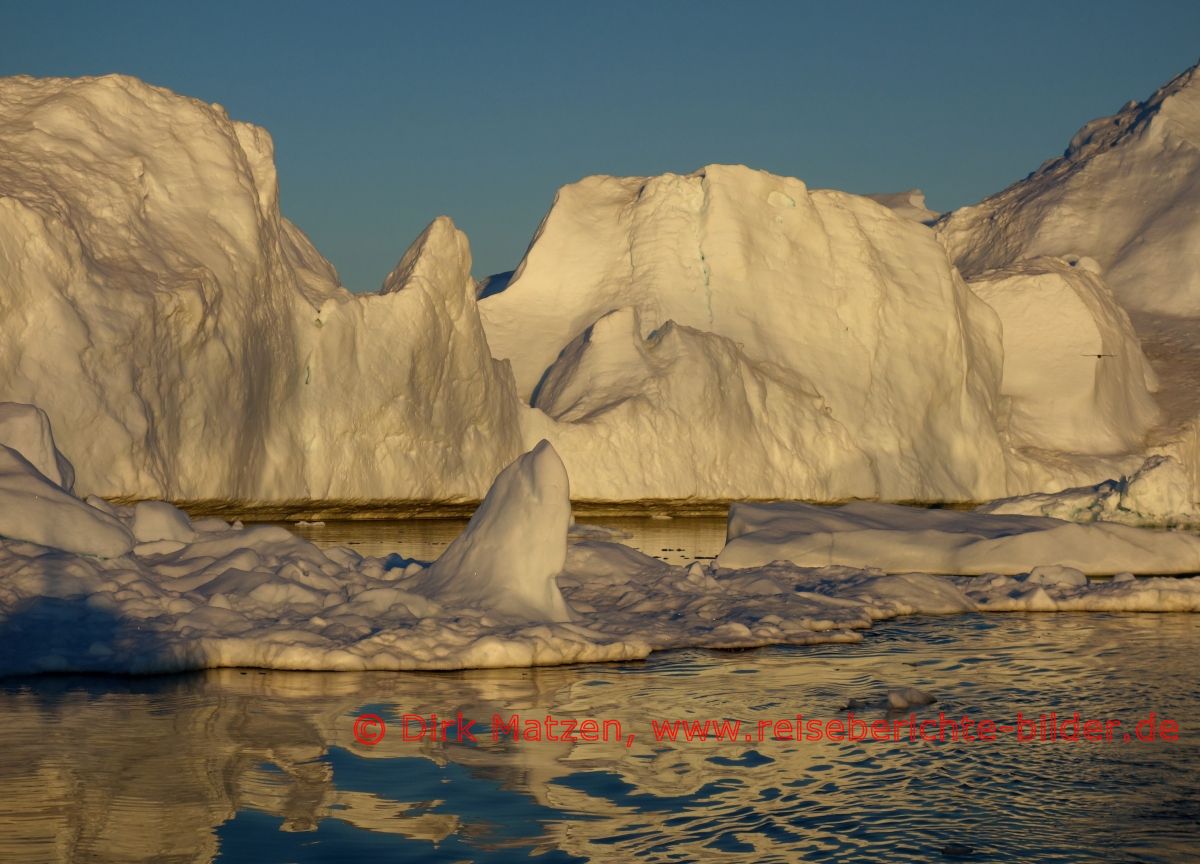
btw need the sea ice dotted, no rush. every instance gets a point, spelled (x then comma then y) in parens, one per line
(899, 539)
(77, 595)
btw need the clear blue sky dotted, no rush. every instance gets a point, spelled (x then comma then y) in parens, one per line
(387, 114)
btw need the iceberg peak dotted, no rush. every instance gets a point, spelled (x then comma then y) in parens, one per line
(439, 258)
(514, 547)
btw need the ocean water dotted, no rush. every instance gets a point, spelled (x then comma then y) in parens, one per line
(674, 540)
(252, 766)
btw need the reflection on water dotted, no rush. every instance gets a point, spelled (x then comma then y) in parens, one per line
(242, 765)
(677, 541)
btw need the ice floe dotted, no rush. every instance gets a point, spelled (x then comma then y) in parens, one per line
(77, 594)
(899, 539)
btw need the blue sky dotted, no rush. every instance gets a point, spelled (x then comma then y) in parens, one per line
(385, 115)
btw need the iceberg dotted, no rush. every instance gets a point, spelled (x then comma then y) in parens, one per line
(515, 545)
(725, 334)
(841, 326)
(188, 342)
(1122, 194)
(1119, 201)
(899, 539)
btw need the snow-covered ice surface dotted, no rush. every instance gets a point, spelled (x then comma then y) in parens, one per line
(900, 539)
(509, 592)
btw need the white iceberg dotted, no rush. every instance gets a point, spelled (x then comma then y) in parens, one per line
(1120, 200)
(514, 547)
(848, 343)
(724, 334)
(188, 342)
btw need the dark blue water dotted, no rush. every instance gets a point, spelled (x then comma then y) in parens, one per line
(247, 766)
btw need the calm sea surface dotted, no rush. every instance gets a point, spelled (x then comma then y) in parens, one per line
(252, 766)
(677, 541)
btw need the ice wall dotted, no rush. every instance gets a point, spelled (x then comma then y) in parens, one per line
(723, 334)
(828, 295)
(189, 342)
(1074, 373)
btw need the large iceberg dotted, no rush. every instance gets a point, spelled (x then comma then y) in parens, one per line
(1120, 205)
(723, 334)
(515, 545)
(189, 342)
(727, 298)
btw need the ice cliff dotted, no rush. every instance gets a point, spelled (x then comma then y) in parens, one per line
(708, 305)
(1120, 204)
(188, 342)
(722, 334)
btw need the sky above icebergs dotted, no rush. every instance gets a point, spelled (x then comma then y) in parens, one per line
(399, 112)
